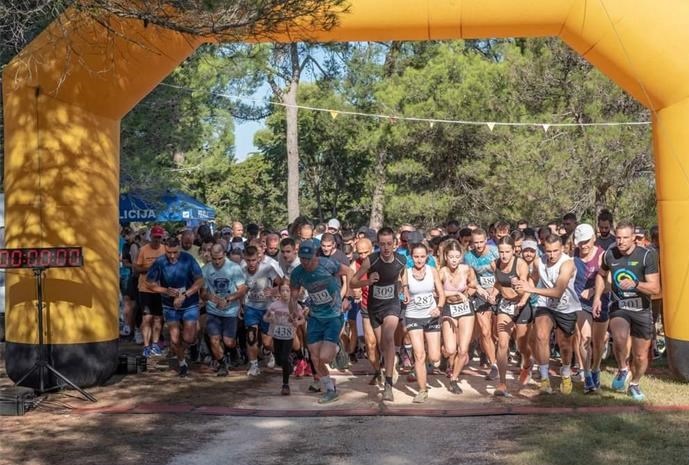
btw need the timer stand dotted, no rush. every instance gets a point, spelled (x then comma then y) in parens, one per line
(42, 364)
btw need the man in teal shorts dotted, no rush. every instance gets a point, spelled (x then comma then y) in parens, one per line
(321, 277)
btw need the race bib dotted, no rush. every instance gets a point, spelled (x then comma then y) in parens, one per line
(424, 300)
(457, 310)
(384, 292)
(486, 282)
(633, 305)
(256, 296)
(283, 332)
(507, 307)
(321, 297)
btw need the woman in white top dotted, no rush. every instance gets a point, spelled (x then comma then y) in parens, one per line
(422, 315)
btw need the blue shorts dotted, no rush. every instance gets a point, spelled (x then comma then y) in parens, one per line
(254, 317)
(225, 326)
(174, 315)
(353, 311)
(323, 329)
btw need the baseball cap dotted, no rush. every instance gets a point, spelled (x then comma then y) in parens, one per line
(639, 231)
(307, 249)
(529, 244)
(334, 223)
(157, 231)
(584, 232)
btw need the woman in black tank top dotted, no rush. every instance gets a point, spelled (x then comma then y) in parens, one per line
(507, 267)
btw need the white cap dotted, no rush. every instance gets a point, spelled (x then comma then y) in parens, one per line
(583, 233)
(529, 244)
(333, 223)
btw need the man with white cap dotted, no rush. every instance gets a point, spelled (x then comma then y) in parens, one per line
(334, 226)
(592, 330)
(321, 277)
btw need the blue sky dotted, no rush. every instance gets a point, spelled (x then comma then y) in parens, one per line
(244, 137)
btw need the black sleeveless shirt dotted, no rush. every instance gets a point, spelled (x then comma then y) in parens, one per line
(505, 279)
(385, 293)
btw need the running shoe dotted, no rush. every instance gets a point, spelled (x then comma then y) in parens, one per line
(271, 361)
(411, 377)
(138, 337)
(421, 397)
(388, 394)
(299, 368)
(595, 376)
(254, 370)
(407, 364)
(285, 390)
(566, 385)
(524, 376)
(589, 384)
(635, 393)
(544, 386)
(315, 386)
(328, 396)
(502, 392)
(147, 351)
(183, 371)
(618, 383)
(376, 380)
(155, 350)
(222, 370)
(454, 387)
(493, 373)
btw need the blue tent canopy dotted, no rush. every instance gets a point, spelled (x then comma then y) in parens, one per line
(172, 206)
(134, 208)
(182, 207)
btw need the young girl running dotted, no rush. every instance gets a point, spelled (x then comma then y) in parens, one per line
(282, 329)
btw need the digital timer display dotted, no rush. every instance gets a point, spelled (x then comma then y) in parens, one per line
(42, 257)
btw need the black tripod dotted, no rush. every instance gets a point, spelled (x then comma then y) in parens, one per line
(42, 363)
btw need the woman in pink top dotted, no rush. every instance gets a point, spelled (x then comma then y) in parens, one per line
(459, 282)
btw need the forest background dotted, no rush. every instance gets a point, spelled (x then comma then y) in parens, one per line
(386, 170)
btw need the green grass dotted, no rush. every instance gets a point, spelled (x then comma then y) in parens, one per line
(625, 439)
(658, 386)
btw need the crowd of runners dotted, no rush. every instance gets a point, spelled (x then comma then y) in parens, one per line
(312, 298)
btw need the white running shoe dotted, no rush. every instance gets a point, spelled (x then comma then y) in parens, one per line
(254, 370)
(271, 361)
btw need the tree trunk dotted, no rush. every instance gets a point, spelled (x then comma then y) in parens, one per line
(380, 179)
(376, 221)
(291, 113)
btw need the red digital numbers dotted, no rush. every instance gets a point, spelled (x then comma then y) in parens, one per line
(44, 257)
(74, 258)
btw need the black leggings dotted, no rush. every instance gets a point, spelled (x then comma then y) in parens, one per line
(282, 348)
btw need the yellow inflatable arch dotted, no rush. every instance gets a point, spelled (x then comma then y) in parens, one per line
(64, 98)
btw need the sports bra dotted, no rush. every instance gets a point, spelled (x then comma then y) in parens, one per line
(448, 286)
(505, 279)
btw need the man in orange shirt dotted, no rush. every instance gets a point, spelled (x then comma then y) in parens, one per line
(149, 300)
